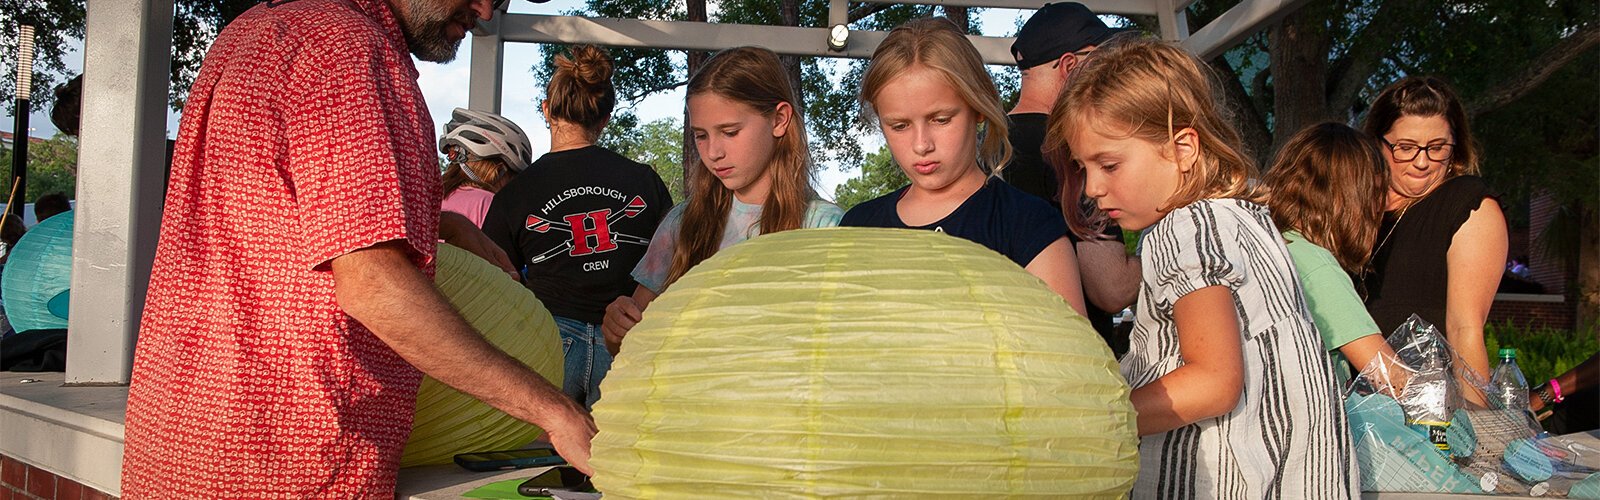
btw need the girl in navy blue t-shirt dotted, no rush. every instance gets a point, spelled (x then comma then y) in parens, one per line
(927, 86)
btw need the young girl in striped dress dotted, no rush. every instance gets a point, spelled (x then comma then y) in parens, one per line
(1234, 395)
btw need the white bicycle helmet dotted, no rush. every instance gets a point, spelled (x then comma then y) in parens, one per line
(480, 134)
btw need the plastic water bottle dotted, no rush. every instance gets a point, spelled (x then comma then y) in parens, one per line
(1429, 402)
(1510, 387)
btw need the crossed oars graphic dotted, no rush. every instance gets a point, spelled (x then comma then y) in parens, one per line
(542, 225)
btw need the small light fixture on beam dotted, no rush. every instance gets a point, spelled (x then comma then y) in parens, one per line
(838, 37)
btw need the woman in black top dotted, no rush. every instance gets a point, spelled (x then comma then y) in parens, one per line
(580, 217)
(1442, 246)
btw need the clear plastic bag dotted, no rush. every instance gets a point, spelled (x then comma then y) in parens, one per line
(1424, 422)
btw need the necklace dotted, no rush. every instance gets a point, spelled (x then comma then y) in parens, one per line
(1386, 236)
(1368, 270)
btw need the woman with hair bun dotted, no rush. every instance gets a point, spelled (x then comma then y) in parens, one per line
(580, 217)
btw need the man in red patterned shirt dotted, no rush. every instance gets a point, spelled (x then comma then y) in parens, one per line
(291, 304)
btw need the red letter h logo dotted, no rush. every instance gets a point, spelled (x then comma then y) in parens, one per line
(582, 231)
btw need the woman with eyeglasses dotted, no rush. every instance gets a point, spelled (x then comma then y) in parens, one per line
(1442, 246)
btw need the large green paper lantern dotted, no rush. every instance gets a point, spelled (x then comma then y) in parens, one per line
(852, 362)
(448, 422)
(38, 276)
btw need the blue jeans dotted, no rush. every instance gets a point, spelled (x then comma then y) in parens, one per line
(587, 360)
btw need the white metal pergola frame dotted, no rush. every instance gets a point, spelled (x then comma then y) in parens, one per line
(1232, 27)
(122, 146)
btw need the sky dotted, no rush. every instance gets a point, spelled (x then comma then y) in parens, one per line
(445, 88)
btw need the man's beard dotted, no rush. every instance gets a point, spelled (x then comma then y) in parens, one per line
(425, 30)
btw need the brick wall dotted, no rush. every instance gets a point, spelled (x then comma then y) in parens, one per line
(1551, 273)
(1524, 313)
(20, 481)
(1518, 243)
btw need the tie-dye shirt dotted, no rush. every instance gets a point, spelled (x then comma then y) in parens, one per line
(744, 222)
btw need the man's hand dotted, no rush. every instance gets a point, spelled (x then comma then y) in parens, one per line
(458, 230)
(571, 436)
(621, 315)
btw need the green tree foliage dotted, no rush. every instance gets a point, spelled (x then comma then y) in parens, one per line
(1542, 353)
(1525, 69)
(57, 23)
(658, 143)
(832, 113)
(880, 175)
(52, 168)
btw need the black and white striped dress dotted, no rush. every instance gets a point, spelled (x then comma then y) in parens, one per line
(1288, 437)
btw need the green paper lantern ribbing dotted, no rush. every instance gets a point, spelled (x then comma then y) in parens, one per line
(851, 362)
(448, 422)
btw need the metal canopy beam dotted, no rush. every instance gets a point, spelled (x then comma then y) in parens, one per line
(488, 68)
(1120, 7)
(1237, 24)
(681, 35)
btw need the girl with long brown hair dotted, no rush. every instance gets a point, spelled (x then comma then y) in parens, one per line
(752, 143)
(941, 117)
(1326, 191)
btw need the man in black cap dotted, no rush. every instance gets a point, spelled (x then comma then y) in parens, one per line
(1053, 43)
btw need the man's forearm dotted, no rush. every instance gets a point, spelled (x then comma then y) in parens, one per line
(381, 288)
(1114, 282)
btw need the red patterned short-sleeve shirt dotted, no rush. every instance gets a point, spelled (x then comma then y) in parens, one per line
(305, 137)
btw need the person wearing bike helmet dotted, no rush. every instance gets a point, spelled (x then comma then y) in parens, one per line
(580, 217)
(484, 151)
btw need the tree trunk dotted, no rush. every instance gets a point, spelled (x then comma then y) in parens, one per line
(957, 15)
(1298, 47)
(691, 156)
(1588, 295)
(1245, 111)
(790, 12)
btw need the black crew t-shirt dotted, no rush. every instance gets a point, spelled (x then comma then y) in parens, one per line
(579, 220)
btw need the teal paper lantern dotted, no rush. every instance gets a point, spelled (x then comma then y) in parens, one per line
(38, 275)
(850, 362)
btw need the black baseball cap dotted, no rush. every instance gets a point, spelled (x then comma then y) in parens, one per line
(1056, 29)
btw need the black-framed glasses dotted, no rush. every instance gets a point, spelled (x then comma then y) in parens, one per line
(1406, 151)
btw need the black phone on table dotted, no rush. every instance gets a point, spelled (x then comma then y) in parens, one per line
(509, 459)
(564, 478)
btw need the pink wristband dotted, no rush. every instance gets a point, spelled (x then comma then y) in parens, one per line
(1555, 388)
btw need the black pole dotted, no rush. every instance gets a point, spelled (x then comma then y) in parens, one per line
(19, 143)
(19, 160)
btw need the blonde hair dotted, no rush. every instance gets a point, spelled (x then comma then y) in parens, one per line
(580, 91)
(1328, 183)
(1152, 89)
(935, 43)
(751, 76)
